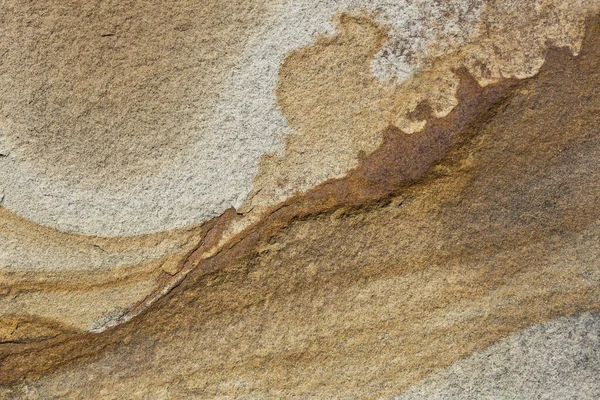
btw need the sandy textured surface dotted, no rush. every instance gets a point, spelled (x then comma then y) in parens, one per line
(156, 116)
(105, 108)
(339, 199)
(556, 360)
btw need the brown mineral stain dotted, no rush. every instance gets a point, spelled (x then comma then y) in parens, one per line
(437, 245)
(336, 109)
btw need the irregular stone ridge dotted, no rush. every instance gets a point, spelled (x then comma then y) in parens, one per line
(464, 208)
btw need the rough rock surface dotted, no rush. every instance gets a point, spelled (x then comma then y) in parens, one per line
(556, 360)
(341, 199)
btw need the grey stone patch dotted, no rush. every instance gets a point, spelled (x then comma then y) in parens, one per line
(4, 151)
(556, 360)
(99, 324)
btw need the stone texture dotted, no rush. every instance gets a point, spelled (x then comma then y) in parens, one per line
(156, 116)
(295, 199)
(105, 108)
(556, 360)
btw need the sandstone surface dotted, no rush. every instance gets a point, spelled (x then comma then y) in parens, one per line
(308, 199)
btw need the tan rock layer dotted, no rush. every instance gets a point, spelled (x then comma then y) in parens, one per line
(79, 281)
(21, 329)
(439, 244)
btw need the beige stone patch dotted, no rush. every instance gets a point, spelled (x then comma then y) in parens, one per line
(516, 34)
(78, 281)
(113, 90)
(335, 108)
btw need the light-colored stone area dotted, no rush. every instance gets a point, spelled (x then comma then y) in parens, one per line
(556, 360)
(155, 117)
(108, 112)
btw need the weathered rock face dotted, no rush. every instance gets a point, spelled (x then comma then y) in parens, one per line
(338, 199)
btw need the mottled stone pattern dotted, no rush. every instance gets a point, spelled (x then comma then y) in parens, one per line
(556, 360)
(300, 199)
